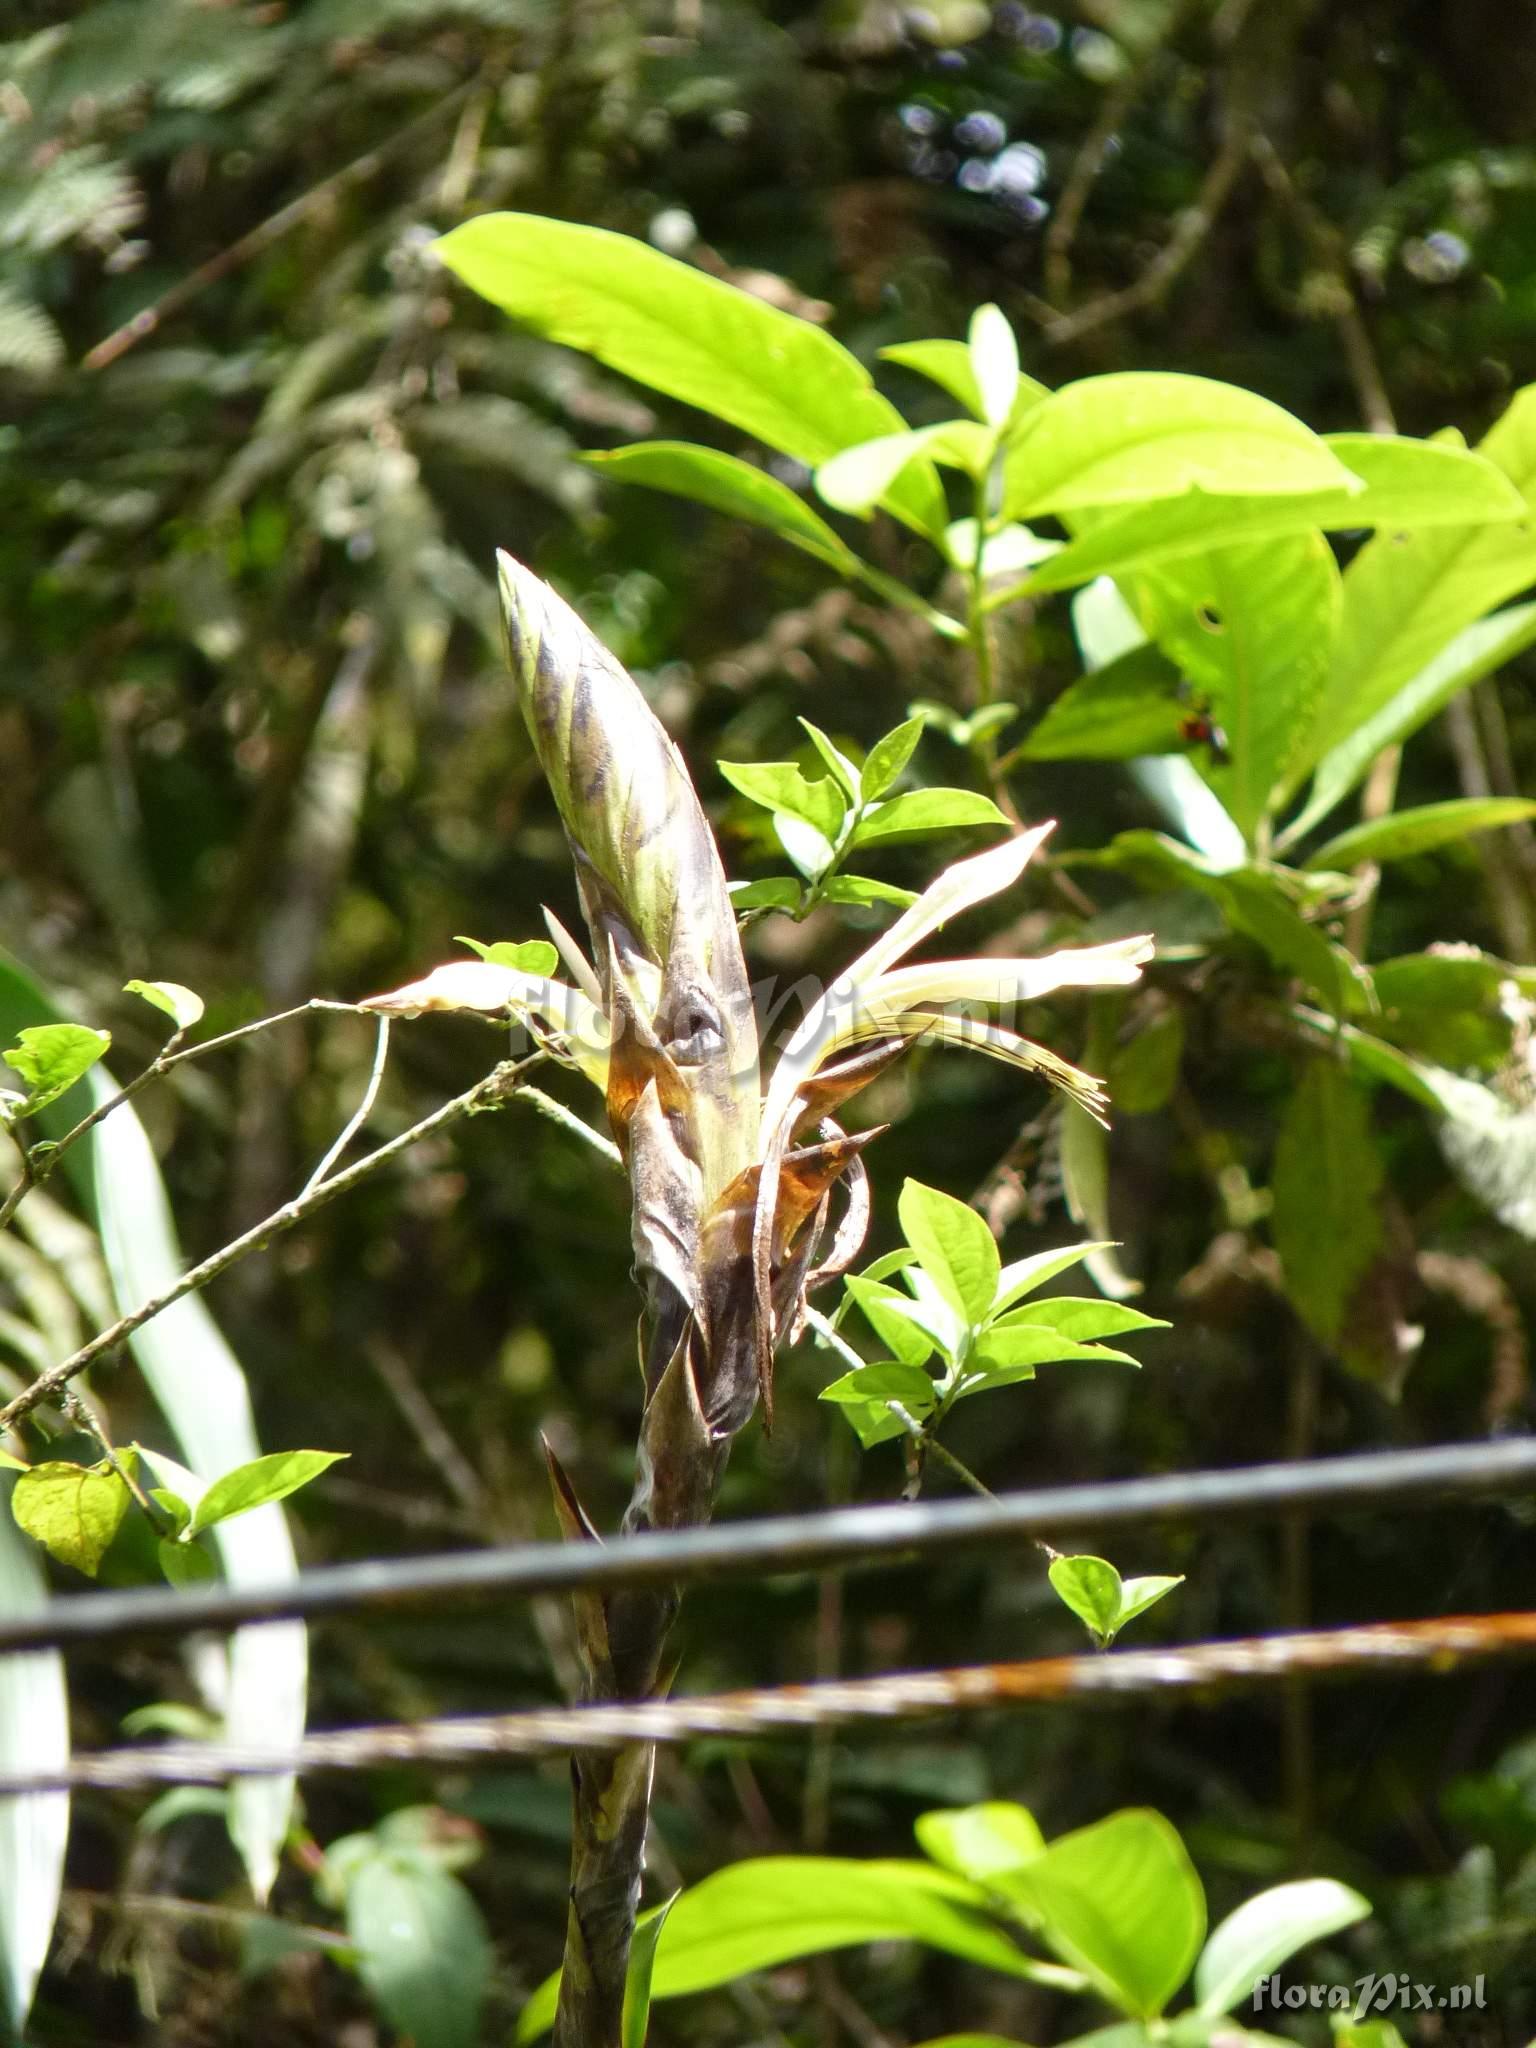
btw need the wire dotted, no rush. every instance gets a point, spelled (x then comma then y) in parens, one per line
(1435, 1646)
(790, 1543)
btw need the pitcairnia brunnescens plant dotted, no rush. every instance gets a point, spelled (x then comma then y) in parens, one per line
(731, 1182)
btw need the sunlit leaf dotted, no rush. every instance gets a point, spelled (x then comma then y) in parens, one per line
(780, 786)
(254, 1484)
(1265, 1932)
(727, 484)
(978, 1841)
(51, 1058)
(995, 360)
(74, 1511)
(957, 1250)
(888, 757)
(526, 956)
(1420, 830)
(183, 1005)
(925, 810)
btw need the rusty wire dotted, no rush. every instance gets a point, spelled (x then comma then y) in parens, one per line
(1434, 1647)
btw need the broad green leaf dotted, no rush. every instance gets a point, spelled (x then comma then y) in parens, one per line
(946, 363)
(1252, 628)
(860, 889)
(780, 786)
(845, 773)
(422, 1949)
(774, 892)
(807, 846)
(885, 1310)
(202, 1393)
(727, 484)
(1023, 1276)
(1407, 594)
(978, 1841)
(889, 1380)
(1409, 484)
(1476, 651)
(34, 1736)
(262, 1480)
(1120, 1901)
(675, 329)
(51, 1058)
(1090, 1587)
(1005, 551)
(873, 1422)
(1265, 1931)
(888, 757)
(186, 1564)
(1084, 1320)
(1255, 903)
(994, 353)
(857, 479)
(1139, 434)
(1137, 1595)
(1327, 1179)
(528, 956)
(184, 1006)
(1420, 830)
(1447, 1006)
(175, 1507)
(74, 1511)
(1130, 706)
(925, 810)
(957, 1250)
(641, 1972)
(1144, 1073)
(1013, 1346)
(774, 1909)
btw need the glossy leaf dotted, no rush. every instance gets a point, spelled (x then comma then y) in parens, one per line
(807, 846)
(994, 353)
(34, 1736)
(844, 772)
(51, 1058)
(946, 363)
(1420, 830)
(862, 890)
(1022, 1345)
(773, 892)
(727, 484)
(1328, 1176)
(74, 1511)
(1252, 628)
(957, 1250)
(641, 1972)
(1408, 483)
(1120, 1901)
(925, 810)
(675, 329)
(1130, 706)
(1266, 1931)
(857, 479)
(1085, 1320)
(1139, 434)
(1023, 1276)
(1090, 1586)
(527, 956)
(978, 1841)
(889, 1380)
(255, 1484)
(184, 1006)
(422, 1948)
(780, 786)
(885, 1309)
(888, 757)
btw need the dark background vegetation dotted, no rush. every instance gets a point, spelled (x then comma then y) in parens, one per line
(254, 736)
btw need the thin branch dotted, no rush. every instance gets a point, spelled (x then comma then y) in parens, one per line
(497, 1088)
(1362, 1483)
(1390, 1647)
(360, 1115)
(568, 1120)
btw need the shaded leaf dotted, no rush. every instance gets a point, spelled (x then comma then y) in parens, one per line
(727, 484)
(1327, 1183)
(1144, 1073)
(1130, 706)
(422, 1949)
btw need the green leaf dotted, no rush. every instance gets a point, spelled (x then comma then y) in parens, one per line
(774, 892)
(1129, 707)
(1471, 654)
(1023, 1276)
(74, 1511)
(1090, 1587)
(925, 810)
(422, 1949)
(780, 786)
(186, 1564)
(1253, 629)
(1420, 830)
(673, 328)
(1407, 594)
(957, 1250)
(528, 956)
(857, 479)
(1140, 434)
(773, 1909)
(174, 1506)
(1018, 1347)
(1256, 903)
(1447, 1006)
(34, 1736)
(948, 364)
(891, 1324)
(1265, 1931)
(1144, 1073)
(1137, 1595)
(641, 1973)
(845, 773)
(1120, 1901)
(1083, 1320)
(807, 846)
(994, 356)
(978, 1841)
(888, 757)
(51, 1058)
(252, 1485)
(1409, 484)
(860, 889)
(182, 1005)
(727, 484)
(1327, 1182)
(1085, 1181)
(890, 1380)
